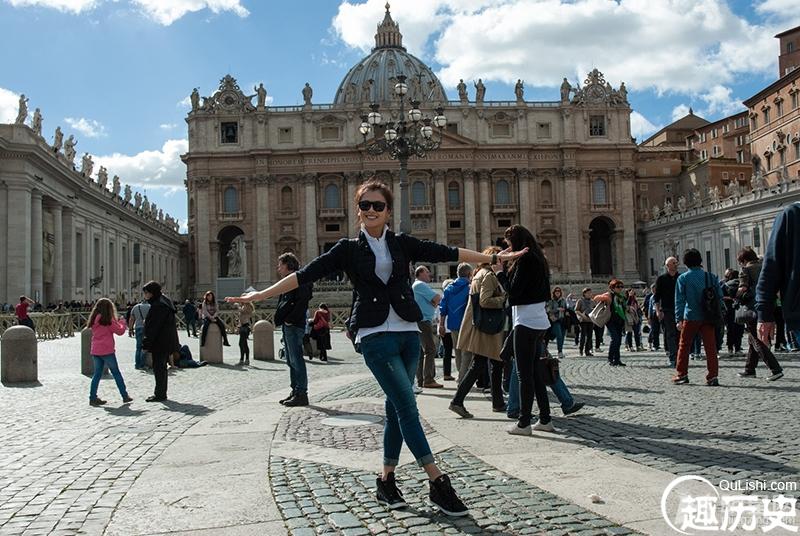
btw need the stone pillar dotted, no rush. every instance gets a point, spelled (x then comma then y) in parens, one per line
(263, 341)
(469, 209)
(18, 241)
(211, 351)
(570, 213)
(58, 255)
(87, 363)
(486, 203)
(626, 183)
(3, 239)
(263, 236)
(396, 190)
(311, 240)
(18, 356)
(440, 211)
(351, 182)
(525, 209)
(204, 262)
(37, 283)
(67, 253)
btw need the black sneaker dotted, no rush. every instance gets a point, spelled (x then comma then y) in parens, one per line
(713, 382)
(96, 402)
(388, 494)
(746, 374)
(443, 496)
(288, 398)
(621, 364)
(574, 408)
(300, 399)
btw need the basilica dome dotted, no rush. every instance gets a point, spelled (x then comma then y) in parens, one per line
(373, 78)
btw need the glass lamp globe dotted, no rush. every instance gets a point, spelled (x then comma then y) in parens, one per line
(374, 118)
(401, 88)
(427, 131)
(365, 128)
(390, 134)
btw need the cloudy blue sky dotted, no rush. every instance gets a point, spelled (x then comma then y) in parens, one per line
(117, 73)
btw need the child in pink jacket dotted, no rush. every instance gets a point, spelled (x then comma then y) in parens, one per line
(104, 324)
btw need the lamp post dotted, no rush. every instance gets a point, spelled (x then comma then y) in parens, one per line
(410, 135)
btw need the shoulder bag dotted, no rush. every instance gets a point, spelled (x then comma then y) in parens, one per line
(601, 314)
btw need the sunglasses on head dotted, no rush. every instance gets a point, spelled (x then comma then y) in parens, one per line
(378, 206)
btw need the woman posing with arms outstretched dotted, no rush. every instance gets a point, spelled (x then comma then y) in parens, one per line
(385, 317)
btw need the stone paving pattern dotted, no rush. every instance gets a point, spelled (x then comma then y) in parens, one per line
(367, 388)
(317, 498)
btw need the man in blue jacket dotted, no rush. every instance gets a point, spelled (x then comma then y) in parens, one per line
(451, 312)
(779, 272)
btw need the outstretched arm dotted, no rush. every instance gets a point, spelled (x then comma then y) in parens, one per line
(467, 255)
(287, 284)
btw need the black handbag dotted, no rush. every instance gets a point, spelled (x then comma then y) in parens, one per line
(547, 367)
(744, 315)
(489, 321)
(710, 304)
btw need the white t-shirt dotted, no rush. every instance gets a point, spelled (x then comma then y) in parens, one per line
(383, 269)
(532, 315)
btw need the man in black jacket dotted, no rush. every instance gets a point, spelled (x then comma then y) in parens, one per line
(291, 316)
(664, 299)
(160, 336)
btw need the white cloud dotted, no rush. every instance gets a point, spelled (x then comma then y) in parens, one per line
(9, 106)
(720, 102)
(680, 111)
(159, 169)
(185, 103)
(641, 127)
(72, 6)
(167, 126)
(88, 127)
(669, 45)
(168, 11)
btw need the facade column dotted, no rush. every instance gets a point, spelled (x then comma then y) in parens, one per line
(4, 297)
(486, 208)
(440, 210)
(525, 209)
(58, 254)
(469, 209)
(37, 282)
(351, 184)
(18, 241)
(203, 276)
(628, 223)
(396, 190)
(312, 245)
(263, 239)
(571, 240)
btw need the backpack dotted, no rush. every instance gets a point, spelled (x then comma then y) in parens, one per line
(710, 304)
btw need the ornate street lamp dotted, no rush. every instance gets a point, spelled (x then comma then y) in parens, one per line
(410, 135)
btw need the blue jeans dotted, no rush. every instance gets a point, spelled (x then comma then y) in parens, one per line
(559, 389)
(139, 359)
(293, 343)
(616, 327)
(392, 358)
(557, 330)
(100, 362)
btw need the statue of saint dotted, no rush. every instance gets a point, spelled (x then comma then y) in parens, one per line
(195, 98)
(681, 203)
(697, 198)
(58, 140)
(519, 90)
(102, 177)
(87, 165)
(261, 92)
(623, 92)
(366, 91)
(36, 122)
(69, 148)
(153, 211)
(733, 189)
(757, 181)
(22, 115)
(235, 257)
(656, 212)
(462, 91)
(480, 91)
(566, 88)
(668, 208)
(116, 186)
(350, 92)
(146, 206)
(713, 194)
(308, 92)
(137, 199)
(127, 197)
(160, 215)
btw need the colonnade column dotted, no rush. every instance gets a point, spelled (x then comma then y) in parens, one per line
(469, 209)
(203, 252)
(18, 241)
(58, 254)
(440, 209)
(571, 247)
(628, 224)
(4, 238)
(312, 246)
(486, 208)
(263, 236)
(37, 282)
(524, 185)
(351, 183)
(396, 191)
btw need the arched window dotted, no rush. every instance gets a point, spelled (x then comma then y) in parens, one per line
(230, 200)
(599, 193)
(502, 193)
(332, 197)
(453, 195)
(286, 198)
(547, 192)
(419, 194)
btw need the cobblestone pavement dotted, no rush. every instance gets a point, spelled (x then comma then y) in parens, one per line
(65, 466)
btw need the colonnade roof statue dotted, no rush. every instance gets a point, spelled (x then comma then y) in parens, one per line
(87, 164)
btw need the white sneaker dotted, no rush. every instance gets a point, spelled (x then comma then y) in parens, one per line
(516, 430)
(774, 377)
(417, 389)
(539, 427)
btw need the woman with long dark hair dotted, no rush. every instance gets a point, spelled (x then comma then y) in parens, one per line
(527, 282)
(384, 320)
(104, 324)
(209, 313)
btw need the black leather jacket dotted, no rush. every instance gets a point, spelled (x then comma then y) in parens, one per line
(372, 297)
(160, 329)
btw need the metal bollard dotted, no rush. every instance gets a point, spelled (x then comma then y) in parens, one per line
(263, 341)
(19, 356)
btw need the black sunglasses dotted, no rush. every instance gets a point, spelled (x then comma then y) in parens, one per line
(378, 206)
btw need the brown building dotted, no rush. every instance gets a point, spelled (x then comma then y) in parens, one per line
(720, 154)
(676, 132)
(789, 58)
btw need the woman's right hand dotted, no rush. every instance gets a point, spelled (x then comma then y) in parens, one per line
(244, 298)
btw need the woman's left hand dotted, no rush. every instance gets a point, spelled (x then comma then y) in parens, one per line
(508, 255)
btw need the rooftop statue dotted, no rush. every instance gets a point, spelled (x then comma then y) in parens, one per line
(308, 92)
(519, 90)
(22, 115)
(462, 91)
(58, 139)
(36, 122)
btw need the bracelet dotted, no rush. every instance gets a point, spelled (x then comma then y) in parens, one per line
(494, 258)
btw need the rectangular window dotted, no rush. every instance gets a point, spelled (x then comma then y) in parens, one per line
(454, 224)
(501, 130)
(779, 108)
(668, 187)
(504, 224)
(797, 150)
(702, 137)
(285, 135)
(229, 132)
(652, 266)
(329, 133)
(703, 155)
(766, 115)
(542, 130)
(80, 276)
(724, 175)
(597, 125)
(708, 261)
(643, 187)
(715, 150)
(756, 237)
(727, 255)
(794, 100)
(124, 283)
(96, 252)
(137, 253)
(452, 128)
(769, 162)
(331, 227)
(753, 123)
(666, 171)
(714, 133)
(740, 157)
(725, 128)
(112, 266)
